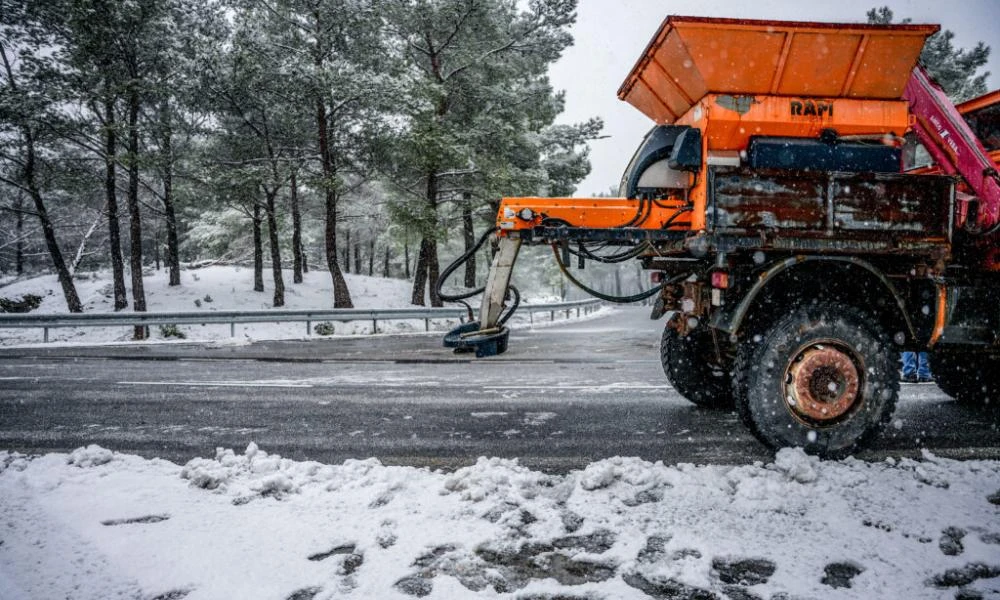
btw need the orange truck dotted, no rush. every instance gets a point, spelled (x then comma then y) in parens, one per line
(794, 254)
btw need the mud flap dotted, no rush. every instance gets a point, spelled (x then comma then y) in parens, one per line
(486, 337)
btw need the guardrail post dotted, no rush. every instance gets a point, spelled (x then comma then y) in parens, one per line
(308, 327)
(374, 326)
(46, 329)
(552, 315)
(577, 312)
(531, 316)
(427, 324)
(232, 329)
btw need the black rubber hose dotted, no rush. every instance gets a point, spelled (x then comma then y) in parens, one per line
(605, 297)
(461, 260)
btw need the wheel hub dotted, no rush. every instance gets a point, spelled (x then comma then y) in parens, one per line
(822, 384)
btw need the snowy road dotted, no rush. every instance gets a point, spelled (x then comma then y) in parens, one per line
(562, 397)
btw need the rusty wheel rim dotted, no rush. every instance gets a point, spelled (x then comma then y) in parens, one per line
(823, 383)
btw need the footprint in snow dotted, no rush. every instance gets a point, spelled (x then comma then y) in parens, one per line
(305, 593)
(840, 574)
(748, 571)
(136, 521)
(349, 564)
(173, 594)
(951, 541)
(963, 576)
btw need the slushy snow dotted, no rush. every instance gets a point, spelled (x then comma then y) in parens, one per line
(96, 524)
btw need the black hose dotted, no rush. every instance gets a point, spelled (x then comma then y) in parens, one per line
(605, 297)
(461, 260)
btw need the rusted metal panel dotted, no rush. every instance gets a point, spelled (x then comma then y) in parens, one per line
(860, 211)
(903, 205)
(747, 199)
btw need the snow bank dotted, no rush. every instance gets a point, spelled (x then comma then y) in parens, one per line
(221, 288)
(98, 524)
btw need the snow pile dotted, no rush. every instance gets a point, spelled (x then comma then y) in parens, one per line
(256, 525)
(90, 456)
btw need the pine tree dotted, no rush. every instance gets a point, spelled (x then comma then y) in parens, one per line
(954, 69)
(477, 101)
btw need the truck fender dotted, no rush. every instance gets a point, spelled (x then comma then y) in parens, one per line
(730, 318)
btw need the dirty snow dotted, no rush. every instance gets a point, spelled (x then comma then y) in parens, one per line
(248, 524)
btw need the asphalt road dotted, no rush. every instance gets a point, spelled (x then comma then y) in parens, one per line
(561, 397)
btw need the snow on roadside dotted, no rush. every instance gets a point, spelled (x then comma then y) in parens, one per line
(219, 288)
(98, 524)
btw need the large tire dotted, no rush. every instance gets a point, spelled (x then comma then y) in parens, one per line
(691, 366)
(970, 378)
(823, 377)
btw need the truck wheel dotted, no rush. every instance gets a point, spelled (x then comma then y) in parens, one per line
(691, 366)
(970, 378)
(822, 377)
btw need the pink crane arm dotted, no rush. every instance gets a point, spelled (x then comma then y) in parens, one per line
(953, 146)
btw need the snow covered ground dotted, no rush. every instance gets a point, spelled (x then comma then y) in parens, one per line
(220, 288)
(96, 525)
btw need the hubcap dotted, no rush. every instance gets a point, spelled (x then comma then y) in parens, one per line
(822, 384)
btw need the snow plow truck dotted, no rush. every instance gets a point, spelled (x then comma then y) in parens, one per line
(795, 251)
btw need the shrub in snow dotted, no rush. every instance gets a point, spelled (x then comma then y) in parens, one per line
(27, 303)
(171, 331)
(325, 328)
(91, 456)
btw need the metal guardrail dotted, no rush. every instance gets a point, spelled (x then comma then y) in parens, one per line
(220, 317)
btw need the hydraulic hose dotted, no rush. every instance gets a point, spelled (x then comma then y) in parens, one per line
(605, 297)
(461, 260)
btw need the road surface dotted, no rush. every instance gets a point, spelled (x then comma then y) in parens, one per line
(561, 397)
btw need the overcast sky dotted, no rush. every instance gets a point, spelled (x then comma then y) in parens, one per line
(610, 34)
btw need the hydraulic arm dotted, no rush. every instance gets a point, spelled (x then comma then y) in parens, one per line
(957, 150)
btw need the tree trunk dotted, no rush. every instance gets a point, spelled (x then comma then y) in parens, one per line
(135, 217)
(297, 262)
(347, 251)
(427, 262)
(272, 236)
(19, 244)
(470, 241)
(65, 279)
(258, 251)
(357, 258)
(420, 275)
(433, 273)
(385, 265)
(406, 257)
(341, 294)
(432, 249)
(156, 248)
(173, 254)
(371, 257)
(111, 198)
